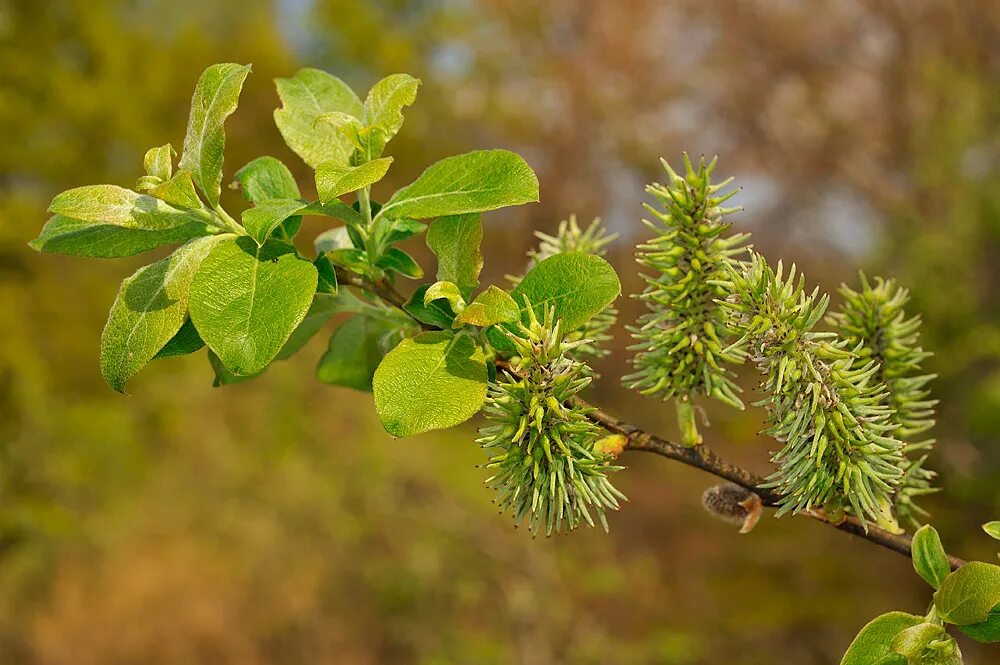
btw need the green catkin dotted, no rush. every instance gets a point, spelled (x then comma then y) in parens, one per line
(681, 349)
(592, 240)
(549, 468)
(826, 406)
(873, 321)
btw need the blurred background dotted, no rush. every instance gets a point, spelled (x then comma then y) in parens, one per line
(274, 522)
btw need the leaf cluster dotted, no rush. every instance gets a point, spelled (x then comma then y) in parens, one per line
(968, 598)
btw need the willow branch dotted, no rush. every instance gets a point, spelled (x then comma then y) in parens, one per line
(700, 457)
(704, 458)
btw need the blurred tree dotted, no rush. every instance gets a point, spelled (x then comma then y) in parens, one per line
(864, 129)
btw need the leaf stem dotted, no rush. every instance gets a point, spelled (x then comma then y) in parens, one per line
(227, 222)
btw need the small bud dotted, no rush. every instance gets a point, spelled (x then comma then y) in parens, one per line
(613, 444)
(734, 504)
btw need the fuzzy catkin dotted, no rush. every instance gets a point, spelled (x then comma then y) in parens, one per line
(547, 466)
(734, 504)
(682, 341)
(873, 322)
(825, 405)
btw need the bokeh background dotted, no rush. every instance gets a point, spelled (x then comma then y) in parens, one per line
(274, 522)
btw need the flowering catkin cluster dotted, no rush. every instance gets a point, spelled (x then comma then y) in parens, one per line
(546, 463)
(873, 322)
(681, 348)
(825, 404)
(592, 240)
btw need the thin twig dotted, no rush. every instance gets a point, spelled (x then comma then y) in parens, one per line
(701, 456)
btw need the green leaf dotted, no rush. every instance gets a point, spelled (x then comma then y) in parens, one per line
(246, 300)
(261, 220)
(399, 261)
(306, 96)
(967, 595)
(215, 98)
(73, 237)
(929, 558)
(985, 631)
(396, 230)
(266, 178)
(334, 179)
(322, 309)
(474, 182)
(146, 183)
(185, 342)
(874, 642)
(383, 108)
(224, 377)
(432, 381)
(337, 210)
(437, 313)
(150, 308)
(577, 285)
(992, 529)
(110, 204)
(348, 126)
(913, 641)
(333, 239)
(446, 290)
(355, 260)
(178, 191)
(327, 281)
(158, 162)
(356, 348)
(455, 241)
(490, 307)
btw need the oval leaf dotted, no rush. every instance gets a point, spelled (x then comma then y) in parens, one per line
(158, 162)
(178, 191)
(874, 642)
(261, 220)
(73, 237)
(929, 558)
(151, 307)
(577, 285)
(323, 307)
(432, 381)
(354, 353)
(446, 290)
(246, 300)
(474, 182)
(266, 178)
(305, 97)
(985, 631)
(968, 594)
(490, 307)
(399, 261)
(383, 110)
(455, 241)
(110, 204)
(993, 529)
(334, 179)
(215, 98)
(436, 313)
(913, 641)
(185, 342)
